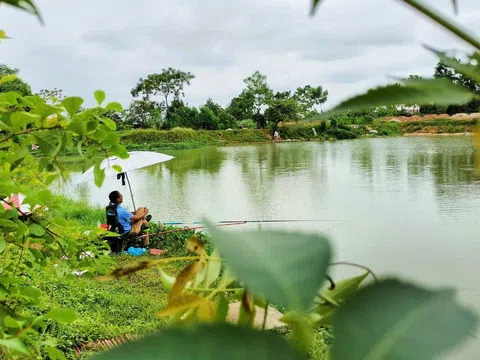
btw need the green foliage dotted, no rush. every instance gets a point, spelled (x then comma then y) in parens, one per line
(169, 82)
(275, 269)
(282, 110)
(144, 114)
(308, 97)
(204, 344)
(385, 320)
(388, 129)
(248, 124)
(393, 320)
(54, 127)
(440, 91)
(174, 240)
(15, 84)
(207, 120)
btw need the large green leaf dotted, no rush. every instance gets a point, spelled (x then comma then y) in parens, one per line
(286, 268)
(7, 78)
(65, 316)
(78, 126)
(217, 342)
(411, 92)
(114, 106)
(50, 141)
(99, 96)
(15, 344)
(72, 104)
(98, 174)
(397, 321)
(3, 245)
(21, 119)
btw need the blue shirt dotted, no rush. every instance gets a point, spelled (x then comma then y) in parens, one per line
(124, 217)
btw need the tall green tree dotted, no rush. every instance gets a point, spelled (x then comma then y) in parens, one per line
(258, 87)
(207, 120)
(282, 110)
(241, 107)
(170, 82)
(143, 114)
(309, 97)
(225, 120)
(18, 85)
(179, 114)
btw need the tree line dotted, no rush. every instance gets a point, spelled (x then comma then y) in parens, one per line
(158, 102)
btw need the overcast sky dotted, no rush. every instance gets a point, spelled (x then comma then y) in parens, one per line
(346, 47)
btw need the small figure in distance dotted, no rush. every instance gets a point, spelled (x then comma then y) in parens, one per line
(131, 222)
(276, 136)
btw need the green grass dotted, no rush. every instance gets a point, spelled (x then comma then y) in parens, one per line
(440, 126)
(105, 309)
(192, 138)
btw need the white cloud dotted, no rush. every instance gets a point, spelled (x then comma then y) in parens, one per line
(347, 47)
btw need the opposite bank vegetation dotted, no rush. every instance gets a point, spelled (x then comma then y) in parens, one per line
(181, 138)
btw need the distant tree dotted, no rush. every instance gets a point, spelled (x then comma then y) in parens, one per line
(53, 96)
(170, 82)
(180, 115)
(225, 120)
(258, 87)
(143, 114)
(415, 77)
(282, 110)
(17, 85)
(308, 97)
(207, 119)
(242, 106)
(447, 72)
(282, 95)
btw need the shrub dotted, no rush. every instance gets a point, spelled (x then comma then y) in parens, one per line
(341, 134)
(174, 240)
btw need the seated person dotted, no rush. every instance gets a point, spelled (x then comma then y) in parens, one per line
(131, 222)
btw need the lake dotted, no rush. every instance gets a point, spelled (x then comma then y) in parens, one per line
(402, 206)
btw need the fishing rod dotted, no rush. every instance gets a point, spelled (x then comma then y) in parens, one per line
(227, 223)
(253, 221)
(189, 228)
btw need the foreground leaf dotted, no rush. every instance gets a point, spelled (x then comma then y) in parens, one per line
(72, 104)
(99, 96)
(15, 344)
(393, 320)
(412, 92)
(343, 290)
(50, 141)
(218, 342)
(315, 4)
(27, 5)
(65, 316)
(286, 268)
(467, 70)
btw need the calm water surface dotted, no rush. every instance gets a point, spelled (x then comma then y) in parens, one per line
(403, 206)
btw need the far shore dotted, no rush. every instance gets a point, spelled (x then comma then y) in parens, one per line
(439, 134)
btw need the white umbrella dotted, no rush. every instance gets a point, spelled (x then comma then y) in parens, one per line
(137, 160)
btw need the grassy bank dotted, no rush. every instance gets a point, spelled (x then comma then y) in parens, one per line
(181, 139)
(439, 126)
(105, 310)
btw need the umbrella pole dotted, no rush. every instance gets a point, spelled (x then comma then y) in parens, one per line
(131, 194)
